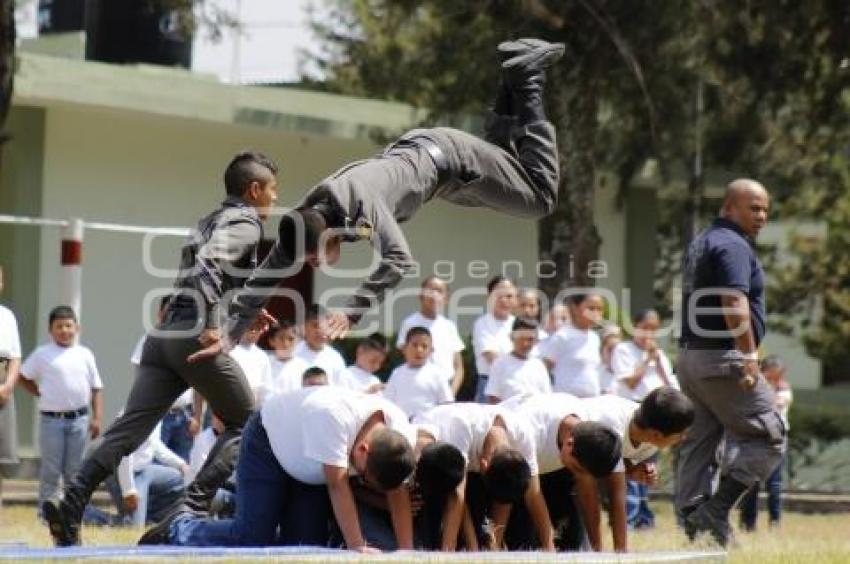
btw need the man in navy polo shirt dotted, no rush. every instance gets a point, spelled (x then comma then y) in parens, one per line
(723, 322)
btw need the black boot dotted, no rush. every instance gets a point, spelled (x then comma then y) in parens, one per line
(161, 532)
(523, 70)
(214, 473)
(713, 515)
(65, 516)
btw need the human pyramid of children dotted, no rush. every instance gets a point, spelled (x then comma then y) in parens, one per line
(327, 455)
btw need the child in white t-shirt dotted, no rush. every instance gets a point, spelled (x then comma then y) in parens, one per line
(255, 364)
(640, 365)
(370, 356)
(418, 385)
(444, 334)
(315, 350)
(64, 377)
(519, 373)
(491, 333)
(287, 369)
(572, 354)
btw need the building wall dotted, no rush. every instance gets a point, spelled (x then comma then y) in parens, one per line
(21, 183)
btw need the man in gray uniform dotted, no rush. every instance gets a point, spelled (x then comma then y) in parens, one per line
(515, 170)
(718, 366)
(216, 259)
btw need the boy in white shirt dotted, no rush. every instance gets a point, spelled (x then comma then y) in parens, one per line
(370, 356)
(315, 350)
(518, 373)
(572, 353)
(287, 369)
(418, 385)
(64, 377)
(501, 469)
(491, 333)
(639, 430)
(254, 363)
(289, 475)
(444, 334)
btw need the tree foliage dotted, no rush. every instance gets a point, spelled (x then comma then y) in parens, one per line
(775, 106)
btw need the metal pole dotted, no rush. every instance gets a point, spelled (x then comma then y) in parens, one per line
(72, 265)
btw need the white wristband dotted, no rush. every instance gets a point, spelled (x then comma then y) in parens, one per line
(750, 356)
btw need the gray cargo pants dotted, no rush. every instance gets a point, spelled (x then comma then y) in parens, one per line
(513, 170)
(748, 420)
(161, 377)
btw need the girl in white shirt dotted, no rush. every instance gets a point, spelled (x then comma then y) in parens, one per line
(491, 334)
(640, 365)
(572, 354)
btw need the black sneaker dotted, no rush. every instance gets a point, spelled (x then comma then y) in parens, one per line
(161, 532)
(64, 530)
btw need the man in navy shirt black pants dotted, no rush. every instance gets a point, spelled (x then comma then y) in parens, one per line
(723, 322)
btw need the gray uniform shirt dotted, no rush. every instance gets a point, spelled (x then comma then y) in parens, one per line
(217, 258)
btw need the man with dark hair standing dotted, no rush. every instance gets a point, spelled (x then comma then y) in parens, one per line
(216, 259)
(513, 170)
(718, 366)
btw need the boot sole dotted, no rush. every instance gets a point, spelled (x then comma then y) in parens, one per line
(57, 525)
(536, 59)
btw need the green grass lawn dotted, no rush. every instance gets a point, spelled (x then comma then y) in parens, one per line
(809, 539)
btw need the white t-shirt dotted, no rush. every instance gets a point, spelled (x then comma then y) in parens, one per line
(493, 335)
(544, 414)
(201, 447)
(355, 378)
(315, 426)
(465, 426)
(577, 360)
(10, 340)
(287, 375)
(65, 376)
(625, 358)
(257, 368)
(328, 359)
(511, 376)
(445, 338)
(415, 390)
(185, 398)
(616, 412)
(152, 449)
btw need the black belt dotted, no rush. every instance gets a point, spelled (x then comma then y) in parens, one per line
(708, 345)
(67, 414)
(444, 171)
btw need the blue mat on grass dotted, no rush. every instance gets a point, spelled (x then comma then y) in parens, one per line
(20, 552)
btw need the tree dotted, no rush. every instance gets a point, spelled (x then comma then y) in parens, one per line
(7, 61)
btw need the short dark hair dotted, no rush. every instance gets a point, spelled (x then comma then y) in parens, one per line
(524, 323)
(507, 476)
(247, 167)
(313, 371)
(440, 469)
(391, 460)
(414, 331)
(772, 362)
(666, 410)
(374, 342)
(642, 315)
(282, 325)
(314, 311)
(495, 281)
(301, 225)
(61, 312)
(596, 447)
(576, 299)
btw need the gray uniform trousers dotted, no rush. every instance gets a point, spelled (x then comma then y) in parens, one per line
(748, 420)
(161, 378)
